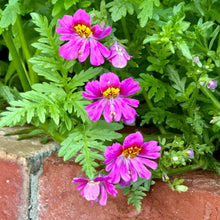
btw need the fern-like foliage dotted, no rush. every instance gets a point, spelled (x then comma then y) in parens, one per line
(136, 192)
(85, 143)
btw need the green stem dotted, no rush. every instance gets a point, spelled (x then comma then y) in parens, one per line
(150, 105)
(56, 135)
(24, 78)
(186, 168)
(124, 27)
(210, 95)
(32, 74)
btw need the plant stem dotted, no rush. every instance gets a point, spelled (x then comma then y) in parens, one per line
(186, 168)
(124, 27)
(56, 135)
(23, 76)
(150, 105)
(210, 95)
(32, 74)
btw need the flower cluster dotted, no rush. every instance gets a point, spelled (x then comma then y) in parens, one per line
(83, 41)
(127, 162)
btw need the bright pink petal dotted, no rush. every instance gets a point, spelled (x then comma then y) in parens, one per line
(118, 112)
(81, 186)
(103, 195)
(70, 49)
(142, 171)
(84, 51)
(104, 50)
(132, 102)
(129, 87)
(66, 25)
(149, 163)
(133, 139)
(95, 109)
(96, 57)
(108, 113)
(115, 172)
(91, 191)
(124, 171)
(99, 32)
(109, 80)
(110, 188)
(112, 152)
(92, 90)
(79, 180)
(81, 17)
(118, 61)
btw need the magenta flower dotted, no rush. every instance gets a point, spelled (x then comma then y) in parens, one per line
(212, 84)
(111, 93)
(118, 56)
(95, 190)
(127, 160)
(82, 37)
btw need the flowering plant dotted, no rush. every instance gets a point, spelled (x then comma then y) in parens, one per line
(88, 70)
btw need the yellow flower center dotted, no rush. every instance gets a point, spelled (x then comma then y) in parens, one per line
(131, 151)
(111, 92)
(82, 30)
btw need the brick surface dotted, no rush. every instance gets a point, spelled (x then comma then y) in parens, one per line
(11, 190)
(60, 200)
(19, 160)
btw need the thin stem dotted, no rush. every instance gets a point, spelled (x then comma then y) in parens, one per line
(124, 27)
(56, 135)
(186, 168)
(150, 105)
(32, 74)
(23, 76)
(210, 95)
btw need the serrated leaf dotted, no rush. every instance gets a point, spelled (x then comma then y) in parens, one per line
(120, 8)
(147, 11)
(83, 76)
(9, 15)
(181, 44)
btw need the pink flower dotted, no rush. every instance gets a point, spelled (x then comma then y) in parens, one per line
(95, 190)
(111, 93)
(118, 56)
(81, 38)
(127, 160)
(212, 84)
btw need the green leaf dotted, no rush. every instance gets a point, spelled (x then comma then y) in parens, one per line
(147, 11)
(9, 15)
(119, 9)
(181, 44)
(83, 76)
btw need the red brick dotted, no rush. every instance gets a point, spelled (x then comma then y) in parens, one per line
(59, 199)
(11, 190)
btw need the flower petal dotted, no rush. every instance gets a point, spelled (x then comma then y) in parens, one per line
(142, 171)
(81, 17)
(96, 57)
(109, 80)
(110, 188)
(133, 139)
(95, 109)
(67, 23)
(99, 32)
(93, 90)
(112, 152)
(103, 195)
(70, 49)
(91, 191)
(129, 87)
(108, 114)
(84, 51)
(149, 163)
